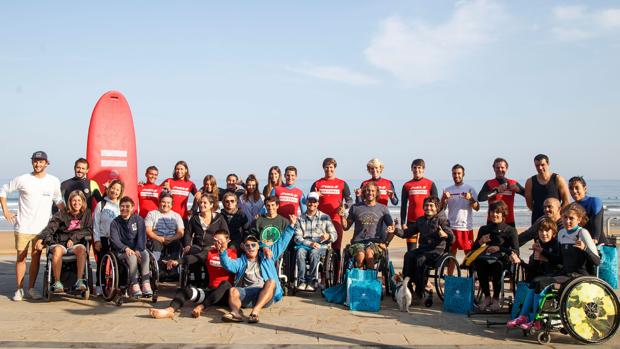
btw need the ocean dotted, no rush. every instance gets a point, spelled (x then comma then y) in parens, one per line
(607, 190)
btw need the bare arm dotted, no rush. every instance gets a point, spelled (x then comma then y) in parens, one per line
(563, 188)
(5, 210)
(528, 193)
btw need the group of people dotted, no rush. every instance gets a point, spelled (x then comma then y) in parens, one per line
(239, 243)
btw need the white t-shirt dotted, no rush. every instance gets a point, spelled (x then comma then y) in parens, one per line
(164, 224)
(36, 196)
(460, 212)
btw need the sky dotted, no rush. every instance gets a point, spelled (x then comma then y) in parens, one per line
(240, 86)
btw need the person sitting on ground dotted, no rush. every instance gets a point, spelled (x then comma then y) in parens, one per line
(502, 243)
(235, 218)
(369, 239)
(66, 233)
(220, 282)
(257, 283)
(164, 229)
(435, 235)
(128, 242)
(313, 234)
(200, 236)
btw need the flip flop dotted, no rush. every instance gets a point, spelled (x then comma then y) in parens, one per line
(253, 318)
(230, 317)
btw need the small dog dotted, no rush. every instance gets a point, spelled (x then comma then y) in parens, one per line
(403, 294)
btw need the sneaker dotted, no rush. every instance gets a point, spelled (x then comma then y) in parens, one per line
(302, 286)
(309, 288)
(57, 287)
(34, 294)
(135, 291)
(516, 322)
(80, 285)
(495, 306)
(529, 325)
(98, 291)
(146, 289)
(485, 303)
(19, 295)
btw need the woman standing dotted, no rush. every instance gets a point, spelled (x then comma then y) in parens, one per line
(251, 202)
(180, 187)
(274, 179)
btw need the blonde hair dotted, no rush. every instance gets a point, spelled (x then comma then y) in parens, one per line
(79, 194)
(374, 163)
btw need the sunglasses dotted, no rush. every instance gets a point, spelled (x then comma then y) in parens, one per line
(230, 201)
(251, 244)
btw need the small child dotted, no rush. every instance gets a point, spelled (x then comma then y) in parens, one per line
(435, 234)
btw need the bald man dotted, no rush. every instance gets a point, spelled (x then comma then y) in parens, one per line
(551, 209)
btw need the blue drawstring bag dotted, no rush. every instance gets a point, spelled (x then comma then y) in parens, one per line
(363, 290)
(459, 295)
(608, 268)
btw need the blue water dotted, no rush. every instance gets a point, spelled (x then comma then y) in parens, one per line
(607, 190)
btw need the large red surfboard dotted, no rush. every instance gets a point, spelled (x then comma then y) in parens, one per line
(111, 148)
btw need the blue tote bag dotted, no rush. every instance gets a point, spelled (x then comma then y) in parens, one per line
(608, 270)
(459, 295)
(363, 290)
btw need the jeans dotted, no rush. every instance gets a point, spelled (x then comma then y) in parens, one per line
(315, 256)
(132, 264)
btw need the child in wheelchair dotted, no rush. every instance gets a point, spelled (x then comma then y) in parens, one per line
(314, 232)
(65, 234)
(435, 234)
(502, 250)
(128, 242)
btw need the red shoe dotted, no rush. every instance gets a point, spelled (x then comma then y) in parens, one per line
(516, 322)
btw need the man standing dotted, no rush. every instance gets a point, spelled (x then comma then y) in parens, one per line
(333, 193)
(413, 194)
(501, 188)
(37, 190)
(291, 198)
(542, 186)
(460, 199)
(149, 192)
(80, 182)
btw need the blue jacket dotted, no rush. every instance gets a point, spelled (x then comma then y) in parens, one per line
(267, 266)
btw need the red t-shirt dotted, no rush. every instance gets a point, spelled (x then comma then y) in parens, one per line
(217, 273)
(507, 196)
(332, 195)
(180, 190)
(384, 185)
(148, 198)
(417, 191)
(290, 199)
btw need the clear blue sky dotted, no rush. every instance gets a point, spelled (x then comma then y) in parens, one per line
(240, 86)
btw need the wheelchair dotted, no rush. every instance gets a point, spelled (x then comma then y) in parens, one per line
(114, 277)
(327, 272)
(68, 275)
(382, 265)
(586, 308)
(188, 277)
(437, 271)
(169, 252)
(511, 275)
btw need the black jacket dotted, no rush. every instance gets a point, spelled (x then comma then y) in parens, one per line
(196, 236)
(428, 227)
(56, 230)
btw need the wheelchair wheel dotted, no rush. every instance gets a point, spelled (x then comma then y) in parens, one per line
(330, 268)
(47, 294)
(109, 276)
(386, 272)
(442, 271)
(543, 337)
(589, 310)
(154, 273)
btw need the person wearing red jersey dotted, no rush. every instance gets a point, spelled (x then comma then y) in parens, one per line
(333, 193)
(180, 187)
(414, 192)
(220, 282)
(501, 188)
(386, 187)
(148, 193)
(291, 198)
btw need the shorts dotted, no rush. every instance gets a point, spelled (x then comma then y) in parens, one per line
(249, 296)
(23, 240)
(463, 240)
(358, 247)
(65, 249)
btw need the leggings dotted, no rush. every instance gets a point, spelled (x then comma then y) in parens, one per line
(489, 272)
(204, 296)
(414, 266)
(105, 248)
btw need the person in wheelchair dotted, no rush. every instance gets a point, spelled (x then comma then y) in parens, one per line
(67, 233)
(220, 282)
(128, 242)
(576, 249)
(502, 250)
(435, 236)
(164, 229)
(313, 234)
(369, 236)
(199, 237)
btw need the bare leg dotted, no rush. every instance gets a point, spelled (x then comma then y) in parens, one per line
(167, 313)
(370, 259)
(234, 301)
(197, 310)
(264, 296)
(80, 254)
(35, 259)
(359, 259)
(20, 267)
(57, 254)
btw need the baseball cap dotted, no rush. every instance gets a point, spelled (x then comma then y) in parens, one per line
(313, 196)
(250, 238)
(39, 155)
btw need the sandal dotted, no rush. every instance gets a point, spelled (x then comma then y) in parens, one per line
(230, 317)
(253, 318)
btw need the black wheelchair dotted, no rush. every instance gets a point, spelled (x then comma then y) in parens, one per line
(444, 265)
(68, 275)
(327, 272)
(114, 277)
(382, 264)
(586, 308)
(511, 275)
